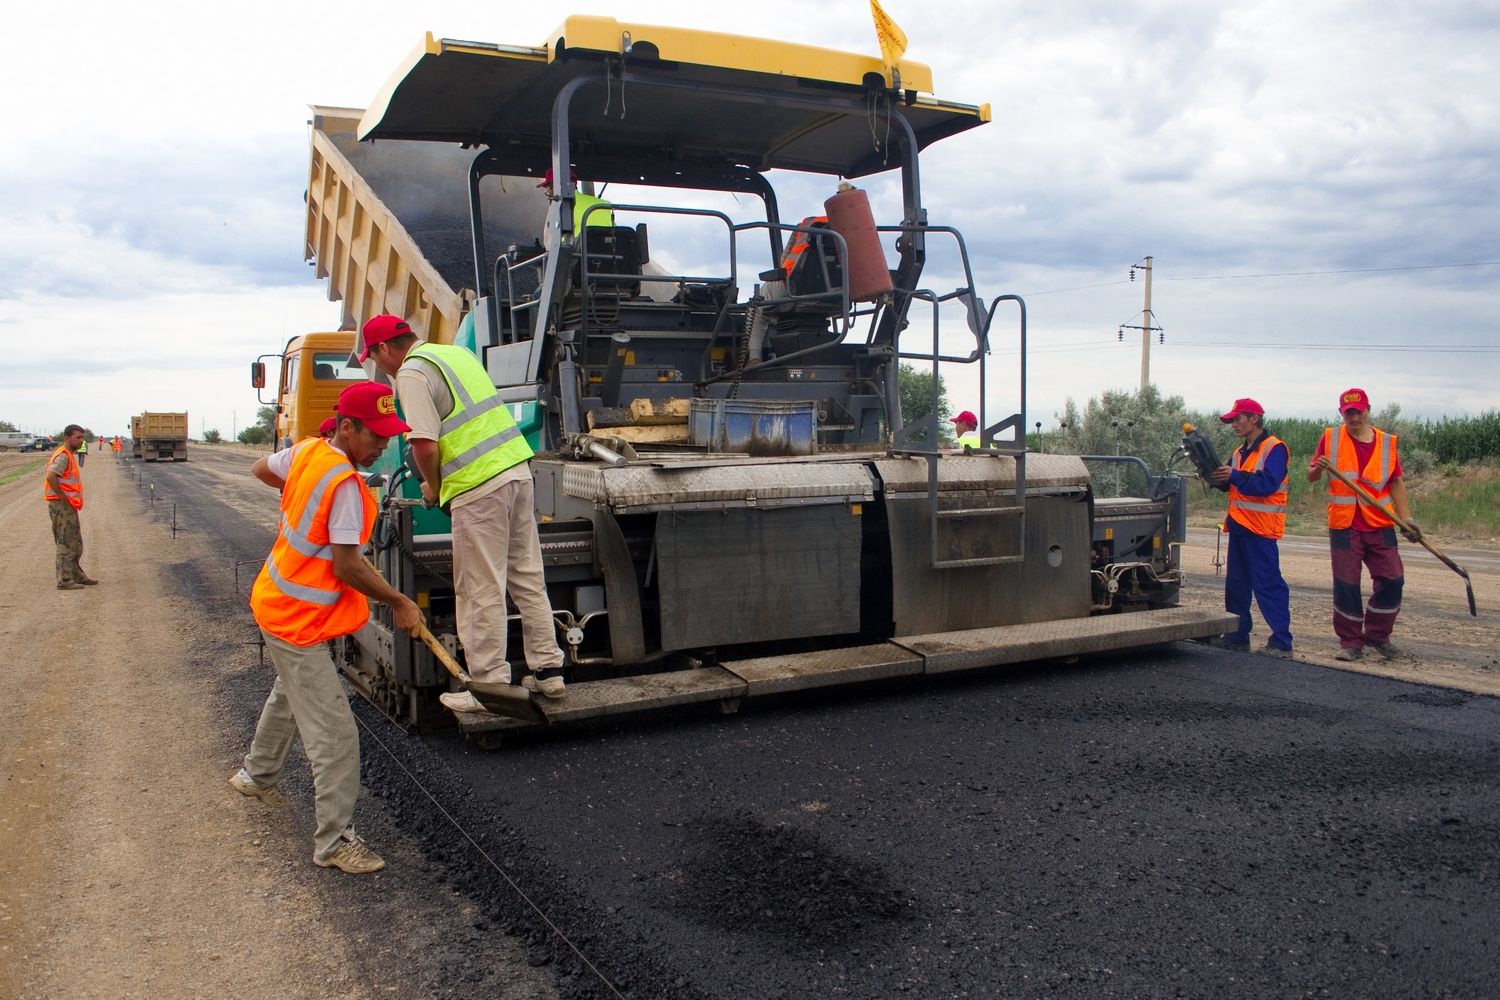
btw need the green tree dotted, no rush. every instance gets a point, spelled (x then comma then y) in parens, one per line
(6, 425)
(254, 435)
(212, 436)
(265, 417)
(915, 385)
(1140, 424)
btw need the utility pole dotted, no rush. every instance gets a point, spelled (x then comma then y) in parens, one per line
(1146, 328)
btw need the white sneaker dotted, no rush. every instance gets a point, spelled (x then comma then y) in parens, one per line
(461, 701)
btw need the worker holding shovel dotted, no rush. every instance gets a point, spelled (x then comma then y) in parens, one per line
(1362, 534)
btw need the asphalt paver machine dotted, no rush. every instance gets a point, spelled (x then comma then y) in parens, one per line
(732, 503)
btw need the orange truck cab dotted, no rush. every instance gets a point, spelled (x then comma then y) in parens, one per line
(315, 368)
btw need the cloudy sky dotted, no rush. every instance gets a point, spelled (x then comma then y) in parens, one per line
(1318, 182)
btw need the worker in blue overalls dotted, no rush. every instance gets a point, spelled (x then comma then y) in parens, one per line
(1257, 480)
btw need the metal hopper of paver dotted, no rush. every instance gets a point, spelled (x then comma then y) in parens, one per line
(731, 502)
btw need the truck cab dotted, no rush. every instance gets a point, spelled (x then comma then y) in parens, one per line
(315, 368)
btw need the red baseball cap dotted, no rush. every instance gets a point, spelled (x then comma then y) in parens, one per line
(1354, 399)
(547, 178)
(965, 417)
(379, 329)
(1246, 405)
(328, 426)
(373, 405)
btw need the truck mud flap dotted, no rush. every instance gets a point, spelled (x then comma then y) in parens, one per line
(908, 656)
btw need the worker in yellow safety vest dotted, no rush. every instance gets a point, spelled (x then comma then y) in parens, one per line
(602, 216)
(966, 429)
(1257, 481)
(316, 586)
(475, 461)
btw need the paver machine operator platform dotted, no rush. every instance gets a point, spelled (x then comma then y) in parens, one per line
(732, 503)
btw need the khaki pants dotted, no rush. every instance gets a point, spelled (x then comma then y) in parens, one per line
(496, 550)
(68, 534)
(308, 698)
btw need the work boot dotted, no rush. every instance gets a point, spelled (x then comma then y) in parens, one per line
(245, 785)
(1349, 654)
(88, 581)
(1385, 649)
(1276, 652)
(352, 856)
(70, 585)
(548, 682)
(461, 701)
(1226, 642)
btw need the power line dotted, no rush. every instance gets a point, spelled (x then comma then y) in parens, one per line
(1272, 274)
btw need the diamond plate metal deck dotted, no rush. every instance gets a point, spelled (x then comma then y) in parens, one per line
(639, 486)
(972, 649)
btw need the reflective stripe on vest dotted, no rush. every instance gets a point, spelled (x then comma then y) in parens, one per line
(71, 480)
(797, 245)
(297, 597)
(1375, 477)
(1264, 515)
(479, 439)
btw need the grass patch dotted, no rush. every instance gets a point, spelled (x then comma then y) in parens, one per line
(21, 470)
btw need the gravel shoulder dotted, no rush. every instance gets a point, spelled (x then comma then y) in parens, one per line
(130, 867)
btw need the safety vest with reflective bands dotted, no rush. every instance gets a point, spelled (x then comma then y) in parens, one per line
(599, 217)
(1338, 445)
(1264, 515)
(799, 243)
(297, 597)
(71, 480)
(479, 438)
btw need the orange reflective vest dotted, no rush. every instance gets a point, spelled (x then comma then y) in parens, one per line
(1264, 515)
(297, 597)
(1375, 477)
(798, 244)
(71, 480)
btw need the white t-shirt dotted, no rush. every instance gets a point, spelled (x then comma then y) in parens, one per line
(346, 520)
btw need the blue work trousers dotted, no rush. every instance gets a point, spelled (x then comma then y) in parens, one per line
(1255, 567)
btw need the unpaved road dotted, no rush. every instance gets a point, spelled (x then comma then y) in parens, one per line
(1176, 823)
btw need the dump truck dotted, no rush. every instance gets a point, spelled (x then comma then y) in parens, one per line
(314, 368)
(159, 437)
(731, 501)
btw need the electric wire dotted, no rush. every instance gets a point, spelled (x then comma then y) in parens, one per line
(1271, 274)
(484, 854)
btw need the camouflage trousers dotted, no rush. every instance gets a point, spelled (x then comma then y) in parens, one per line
(68, 535)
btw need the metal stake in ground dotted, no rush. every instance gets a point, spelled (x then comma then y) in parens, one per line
(1390, 512)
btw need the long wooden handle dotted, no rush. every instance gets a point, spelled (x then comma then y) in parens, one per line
(441, 652)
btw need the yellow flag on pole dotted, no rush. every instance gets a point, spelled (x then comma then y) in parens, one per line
(892, 38)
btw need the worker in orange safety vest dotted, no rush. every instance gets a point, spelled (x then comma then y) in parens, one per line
(314, 587)
(63, 491)
(1257, 480)
(1361, 536)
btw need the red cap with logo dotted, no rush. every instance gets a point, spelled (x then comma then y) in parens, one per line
(379, 329)
(965, 417)
(547, 178)
(1354, 399)
(1246, 405)
(373, 405)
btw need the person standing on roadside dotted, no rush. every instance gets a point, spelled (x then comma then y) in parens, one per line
(1361, 536)
(117, 447)
(312, 588)
(83, 451)
(473, 457)
(63, 491)
(1257, 481)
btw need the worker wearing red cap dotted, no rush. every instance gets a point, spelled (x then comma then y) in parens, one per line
(581, 203)
(1257, 481)
(1361, 536)
(966, 429)
(475, 461)
(314, 587)
(327, 427)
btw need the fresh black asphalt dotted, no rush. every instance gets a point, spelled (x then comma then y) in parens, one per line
(1187, 822)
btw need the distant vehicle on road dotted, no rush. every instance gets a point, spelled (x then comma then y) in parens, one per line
(16, 440)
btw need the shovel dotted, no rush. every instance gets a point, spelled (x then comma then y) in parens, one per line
(1389, 512)
(508, 700)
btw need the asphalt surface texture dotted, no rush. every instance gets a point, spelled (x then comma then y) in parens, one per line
(1178, 822)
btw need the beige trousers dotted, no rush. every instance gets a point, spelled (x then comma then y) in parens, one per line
(308, 698)
(496, 551)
